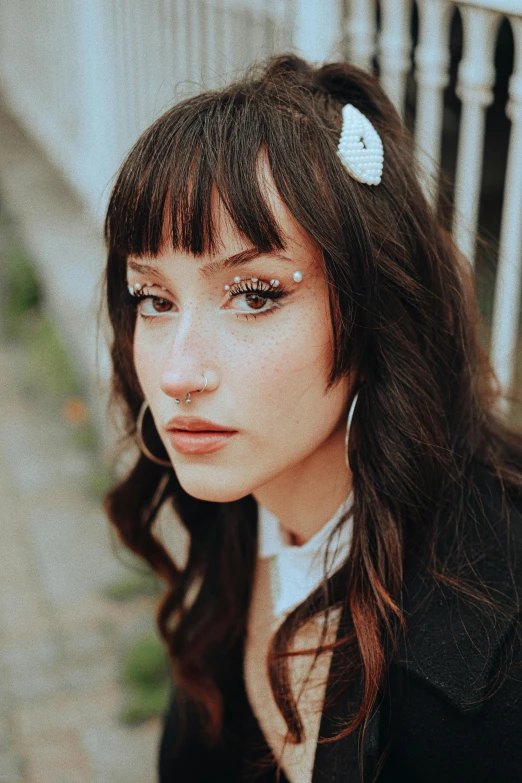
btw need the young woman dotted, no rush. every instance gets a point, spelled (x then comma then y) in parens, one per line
(296, 353)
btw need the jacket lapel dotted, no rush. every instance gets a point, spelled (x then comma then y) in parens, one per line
(452, 642)
(339, 760)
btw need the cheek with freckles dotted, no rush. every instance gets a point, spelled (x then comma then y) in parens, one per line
(282, 378)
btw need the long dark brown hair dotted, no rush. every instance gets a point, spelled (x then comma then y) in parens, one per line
(404, 317)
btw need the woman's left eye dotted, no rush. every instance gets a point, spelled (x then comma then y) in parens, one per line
(258, 299)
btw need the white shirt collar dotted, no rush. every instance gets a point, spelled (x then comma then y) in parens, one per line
(296, 571)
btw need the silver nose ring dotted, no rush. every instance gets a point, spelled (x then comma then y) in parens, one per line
(187, 398)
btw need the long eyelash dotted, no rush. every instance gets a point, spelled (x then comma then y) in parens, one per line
(259, 287)
(138, 296)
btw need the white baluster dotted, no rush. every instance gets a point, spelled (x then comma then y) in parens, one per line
(395, 49)
(431, 70)
(360, 30)
(228, 40)
(210, 12)
(509, 271)
(318, 29)
(99, 156)
(182, 47)
(474, 87)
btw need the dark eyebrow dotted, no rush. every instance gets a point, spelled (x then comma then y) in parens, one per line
(142, 268)
(213, 267)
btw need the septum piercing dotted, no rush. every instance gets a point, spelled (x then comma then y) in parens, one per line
(187, 399)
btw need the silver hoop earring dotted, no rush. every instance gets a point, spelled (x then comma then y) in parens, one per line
(348, 427)
(141, 443)
(206, 384)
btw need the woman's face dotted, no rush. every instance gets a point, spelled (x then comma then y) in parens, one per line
(267, 360)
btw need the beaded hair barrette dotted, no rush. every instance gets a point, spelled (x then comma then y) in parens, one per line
(360, 147)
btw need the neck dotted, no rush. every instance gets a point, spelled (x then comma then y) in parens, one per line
(306, 496)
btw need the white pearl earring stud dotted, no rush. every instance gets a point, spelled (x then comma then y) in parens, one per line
(298, 276)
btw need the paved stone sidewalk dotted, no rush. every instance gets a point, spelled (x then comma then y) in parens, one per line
(59, 638)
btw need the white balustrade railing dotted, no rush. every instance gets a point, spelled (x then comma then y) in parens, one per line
(476, 78)
(475, 89)
(506, 305)
(395, 48)
(432, 59)
(86, 77)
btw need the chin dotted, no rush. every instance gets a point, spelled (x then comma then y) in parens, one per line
(214, 489)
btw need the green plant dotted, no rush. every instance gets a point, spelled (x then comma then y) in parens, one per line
(133, 585)
(144, 664)
(49, 366)
(99, 479)
(22, 291)
(145, 674)
(143, 704)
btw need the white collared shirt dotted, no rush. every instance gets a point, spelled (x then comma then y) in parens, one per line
(285, 576)
(296, 571)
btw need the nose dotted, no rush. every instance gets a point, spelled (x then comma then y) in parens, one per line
(181, 387)
(187, 368)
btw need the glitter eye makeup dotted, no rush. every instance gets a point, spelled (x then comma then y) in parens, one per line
(257, 294)
(297, 277)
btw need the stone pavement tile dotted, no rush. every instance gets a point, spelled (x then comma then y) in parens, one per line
(61, 639)
(22, 657)
(72, 549)
(69, 711)
(29, 684)
(57, 757)
(5, 735)
(15, 567)
(118, 758)
(21, 613)
(12, 768)
(110, 620)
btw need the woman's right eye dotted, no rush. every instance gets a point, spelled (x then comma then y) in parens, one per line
(151, 306)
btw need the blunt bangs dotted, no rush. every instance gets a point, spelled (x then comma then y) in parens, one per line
(203, 144)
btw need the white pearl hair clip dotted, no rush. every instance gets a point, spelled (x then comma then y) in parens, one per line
(298, 276)
(360, 147)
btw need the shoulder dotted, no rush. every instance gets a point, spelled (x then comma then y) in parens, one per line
(456, 689)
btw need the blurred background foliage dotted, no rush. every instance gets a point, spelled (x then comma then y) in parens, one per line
(49, 379)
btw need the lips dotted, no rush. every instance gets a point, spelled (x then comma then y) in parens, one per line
(195, 424)
(192, 435)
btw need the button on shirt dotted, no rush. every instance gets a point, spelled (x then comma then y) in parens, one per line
(285, 576)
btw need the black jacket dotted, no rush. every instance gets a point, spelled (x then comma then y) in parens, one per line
(433, 709)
